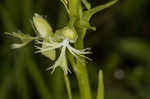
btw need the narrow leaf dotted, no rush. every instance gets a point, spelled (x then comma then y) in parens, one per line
(100, 91)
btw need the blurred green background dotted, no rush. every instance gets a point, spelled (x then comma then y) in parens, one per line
(121, 47)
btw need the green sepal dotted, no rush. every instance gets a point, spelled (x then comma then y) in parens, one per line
(21, 36)
(25, 39)
(19, 45)
(89, 13)
(43, 28)
(51, 54)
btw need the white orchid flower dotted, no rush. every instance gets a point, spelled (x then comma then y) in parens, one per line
(49, 42)
(62, 60)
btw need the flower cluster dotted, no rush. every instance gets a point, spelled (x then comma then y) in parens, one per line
(47, 42)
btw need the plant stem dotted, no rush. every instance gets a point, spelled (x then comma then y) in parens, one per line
(81, 71)
(83, 81)
(80, 68)
(82, 77)
(76, 14)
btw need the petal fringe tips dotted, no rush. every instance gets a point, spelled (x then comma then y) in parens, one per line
(62, 60)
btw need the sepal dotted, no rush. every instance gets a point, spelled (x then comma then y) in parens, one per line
(42, 26)
(25, 39)
(51, 54)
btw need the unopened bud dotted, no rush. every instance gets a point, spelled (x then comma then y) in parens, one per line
(70, 33)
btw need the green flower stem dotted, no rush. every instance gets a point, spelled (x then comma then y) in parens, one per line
(80, 69)
(83, 81)
(80, 42)
(67, 82)
(75, 8)
(82, 77)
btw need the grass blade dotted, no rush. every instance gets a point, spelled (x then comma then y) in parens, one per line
(100, 91)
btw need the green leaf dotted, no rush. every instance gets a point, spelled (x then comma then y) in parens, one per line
(89, 13)
(100, 91)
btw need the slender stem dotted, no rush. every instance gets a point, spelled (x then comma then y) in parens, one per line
(82, 77)
(83, 81)
(80, 69)
(74, 7)
(67, 82)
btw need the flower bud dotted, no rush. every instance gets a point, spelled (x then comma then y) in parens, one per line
(42, 26)
(70, 33)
